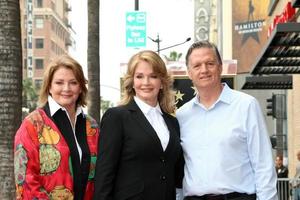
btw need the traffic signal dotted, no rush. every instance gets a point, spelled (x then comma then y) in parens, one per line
(273, 139)
(271, 106)
(279, 141)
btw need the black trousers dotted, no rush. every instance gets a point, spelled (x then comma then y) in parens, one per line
(230, 196)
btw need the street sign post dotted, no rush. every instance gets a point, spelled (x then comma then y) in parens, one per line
(136, 29)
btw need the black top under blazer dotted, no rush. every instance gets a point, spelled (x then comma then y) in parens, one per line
(131, 162)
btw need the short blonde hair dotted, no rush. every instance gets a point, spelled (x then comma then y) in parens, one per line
(166, 96)
(63, 61)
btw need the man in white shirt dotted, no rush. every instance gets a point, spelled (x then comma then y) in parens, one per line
(226, 146)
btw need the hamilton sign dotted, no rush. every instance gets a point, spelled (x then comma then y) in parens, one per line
(251, 27)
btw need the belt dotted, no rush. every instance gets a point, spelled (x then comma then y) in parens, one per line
(232, 195)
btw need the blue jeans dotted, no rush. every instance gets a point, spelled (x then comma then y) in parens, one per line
(296, 193)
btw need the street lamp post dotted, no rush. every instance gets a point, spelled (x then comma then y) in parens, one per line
(136, 5)
(157, 40)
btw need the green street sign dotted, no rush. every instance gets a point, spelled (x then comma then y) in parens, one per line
(136, 29)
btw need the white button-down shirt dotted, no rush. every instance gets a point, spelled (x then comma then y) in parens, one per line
(154, 116)
(54, 107)
(226, 147)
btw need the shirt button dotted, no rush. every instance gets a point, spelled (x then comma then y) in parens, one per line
(162, 159)
(163, 177)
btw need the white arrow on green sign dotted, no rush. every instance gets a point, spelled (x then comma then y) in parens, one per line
(136, 29)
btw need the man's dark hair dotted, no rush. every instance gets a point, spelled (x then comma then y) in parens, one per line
(203, 44)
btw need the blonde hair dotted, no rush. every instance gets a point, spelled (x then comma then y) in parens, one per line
(63, 61)
(166, 96)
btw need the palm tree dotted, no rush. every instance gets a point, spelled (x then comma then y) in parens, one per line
(174, 56)
(10, 91)
(93, 60)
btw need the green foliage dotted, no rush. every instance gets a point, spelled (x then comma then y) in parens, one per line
(174, 56)
(105, 104)
(29, 95)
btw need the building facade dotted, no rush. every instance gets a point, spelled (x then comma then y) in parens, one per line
(273, 67)
(46, 33)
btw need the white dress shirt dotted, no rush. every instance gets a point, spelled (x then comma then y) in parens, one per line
(54, 107)
(226, 147)
(154, 116)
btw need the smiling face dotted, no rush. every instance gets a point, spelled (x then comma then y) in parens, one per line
(65, 89)
(146, 83)
(204, 69)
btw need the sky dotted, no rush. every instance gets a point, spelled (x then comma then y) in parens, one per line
(171, 19)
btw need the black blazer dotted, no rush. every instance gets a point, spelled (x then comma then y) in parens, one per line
(282, 172)
(131, 162)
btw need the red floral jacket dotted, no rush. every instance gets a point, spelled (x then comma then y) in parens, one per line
(42, 160)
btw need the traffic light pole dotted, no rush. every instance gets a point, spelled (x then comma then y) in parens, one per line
(276, 107)
(280, 109)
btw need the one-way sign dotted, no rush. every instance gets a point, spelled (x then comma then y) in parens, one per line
(136, 29)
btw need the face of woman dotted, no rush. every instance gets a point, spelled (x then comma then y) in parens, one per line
(65, 88)
(146, 83)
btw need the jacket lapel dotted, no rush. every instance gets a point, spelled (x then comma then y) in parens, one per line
(142, 121)
(63, 124)
(172, 131)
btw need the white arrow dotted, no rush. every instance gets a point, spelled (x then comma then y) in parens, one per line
(130, 18)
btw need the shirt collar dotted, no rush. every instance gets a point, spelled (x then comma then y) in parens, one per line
(54, 107)
(225, 96)
(145, 107)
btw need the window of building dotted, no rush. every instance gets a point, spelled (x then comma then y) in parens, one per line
(29, 62)
(52, 5)
(25, 44)
(52, 46)
(25, 63)
(29, 45)
(39, 3)
(39, 63)
(39, 43)
(39, 23)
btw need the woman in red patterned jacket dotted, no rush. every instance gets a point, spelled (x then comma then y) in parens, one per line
(56, 145)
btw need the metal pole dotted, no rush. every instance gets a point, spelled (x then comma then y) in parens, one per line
(220, 25)
(158, 42)
(136, 5)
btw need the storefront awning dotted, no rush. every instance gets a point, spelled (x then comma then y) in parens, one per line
(280, 56)
(268, 82)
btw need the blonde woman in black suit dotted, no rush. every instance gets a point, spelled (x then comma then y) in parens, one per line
(140, 157)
